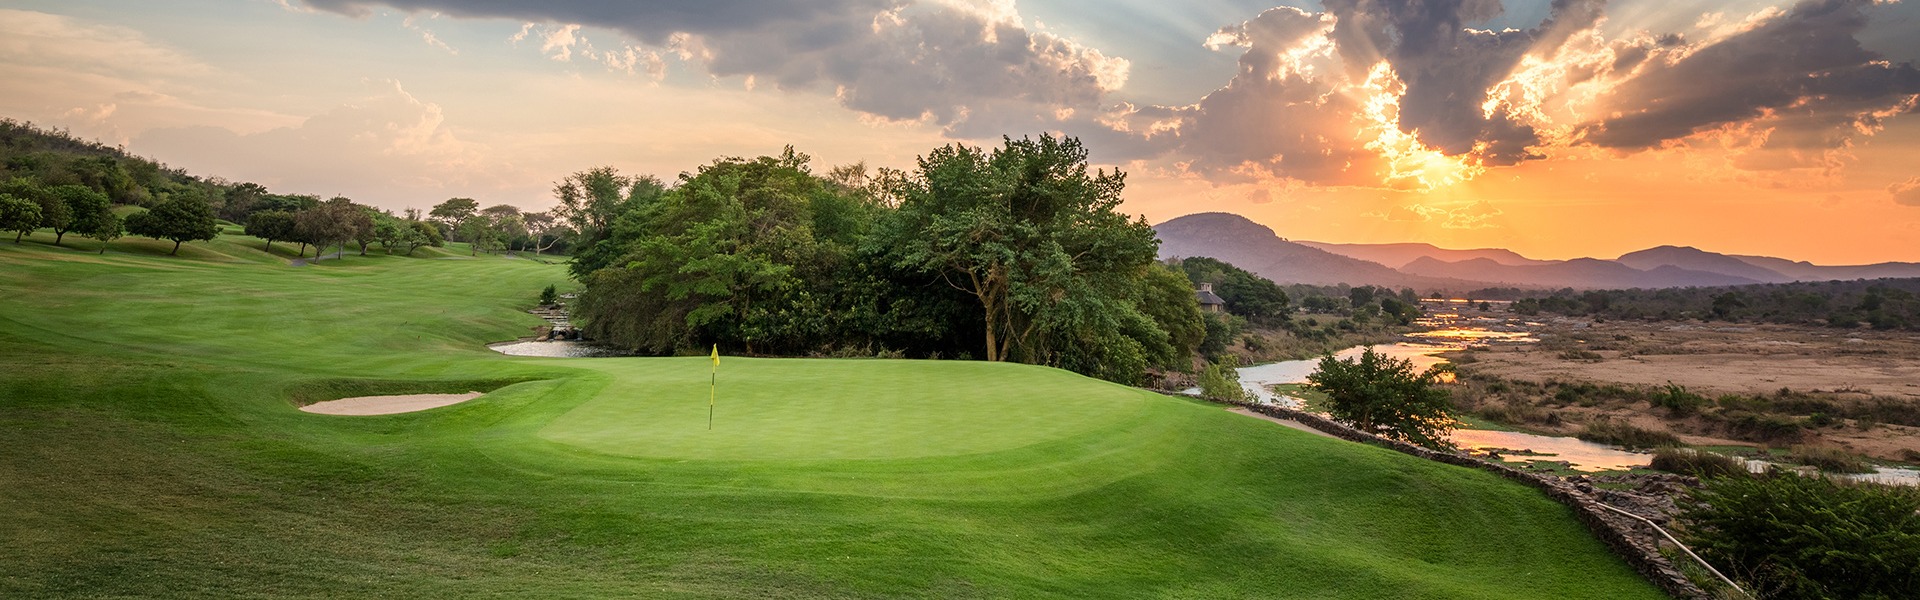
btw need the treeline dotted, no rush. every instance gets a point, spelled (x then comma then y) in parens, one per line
(1255, 302)
(1877, 303)
(51, 180)
(1010, 254)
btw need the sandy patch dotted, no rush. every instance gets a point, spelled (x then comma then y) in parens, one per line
(387, 405)
(1287, 422)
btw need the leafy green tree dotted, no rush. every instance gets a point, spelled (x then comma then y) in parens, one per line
(605, 210)
(1808, 537)
(18, 215)
(429, 236)
(178, 219)
(1221, 380)
(54, 212)
(241, 201)
(107, 228)
(1383, 395)
(85, 208)
(479, 233)
(1032, 236)
(272, 225)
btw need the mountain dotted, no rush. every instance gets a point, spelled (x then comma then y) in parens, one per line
(1584, 273)
(1398, 255)
(1254, 247)
(1801, 270)
(1695, 259)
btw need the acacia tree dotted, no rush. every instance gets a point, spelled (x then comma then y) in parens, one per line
(335, 220)
(272, 225)
(18, 215)
(181, 218)
(1031, 235)
(1383, 395)
(451, 214)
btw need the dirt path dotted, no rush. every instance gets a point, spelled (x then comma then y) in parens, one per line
(1294, 424)
(387, 405)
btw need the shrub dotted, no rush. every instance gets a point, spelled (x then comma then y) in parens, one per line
(1808, 537)
(1831, 460)
(1699, 463)
(1221, 381)
(1757, 427)
(549, 296)
(1383, 395)
(1580, 355)
(1621, 433)
(1678, 401)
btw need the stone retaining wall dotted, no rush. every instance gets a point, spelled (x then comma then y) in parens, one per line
(1616, 531)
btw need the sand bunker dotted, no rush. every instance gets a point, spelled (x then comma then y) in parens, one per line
(387, 405)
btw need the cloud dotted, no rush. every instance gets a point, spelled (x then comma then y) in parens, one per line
(954, 64)
(1802, 72)
(426, 35)
(1906, 192)
(388, 146)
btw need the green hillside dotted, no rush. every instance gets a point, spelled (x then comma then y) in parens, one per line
(149, 447)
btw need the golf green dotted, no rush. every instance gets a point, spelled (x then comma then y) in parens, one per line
(150, 447)
(805, 409)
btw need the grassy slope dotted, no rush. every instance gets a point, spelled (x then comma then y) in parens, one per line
(148, 448)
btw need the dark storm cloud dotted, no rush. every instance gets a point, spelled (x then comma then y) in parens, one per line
(894, 59)
(1804, 68)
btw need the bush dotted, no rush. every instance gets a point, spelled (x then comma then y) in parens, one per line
(1756, 427)
(1678, 401)
(1699, 463)
(1808, 537)
(1621, 433)
(1220, 381)
(549, 296)
(1831, 460)
(1383, 395)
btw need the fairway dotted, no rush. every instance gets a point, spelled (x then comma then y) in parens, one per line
(150, 446)
(809, 409)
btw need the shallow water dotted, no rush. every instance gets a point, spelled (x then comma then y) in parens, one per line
(1582, 454)
(555, 349)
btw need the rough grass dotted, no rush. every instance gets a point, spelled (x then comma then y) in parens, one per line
(149, 448)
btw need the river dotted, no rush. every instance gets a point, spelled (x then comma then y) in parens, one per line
(1450, 329)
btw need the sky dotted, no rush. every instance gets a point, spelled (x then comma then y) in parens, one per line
(1558, 129)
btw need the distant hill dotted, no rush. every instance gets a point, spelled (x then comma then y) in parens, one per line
(1801, 270)
(1256, 248)
(1398, 255)
(1695, 259)
(1582, 273)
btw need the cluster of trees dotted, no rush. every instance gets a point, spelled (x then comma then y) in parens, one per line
(309, 221)
(27, 204)
(499, 227)
(1880, 303)
(1011, 254)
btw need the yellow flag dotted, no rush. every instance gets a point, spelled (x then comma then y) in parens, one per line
(716, 356)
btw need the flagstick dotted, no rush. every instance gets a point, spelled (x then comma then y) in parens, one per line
(711, 387)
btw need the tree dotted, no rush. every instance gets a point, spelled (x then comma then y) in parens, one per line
(18, 215)
(85, 207)
(181, 218)
(455, 211)
(242, 200)
(1383, 395)
(428, 236)
(54, 212)
(1030, 235)
(506, 224)
(272, 225)
(107, 228)
(592, 202)
(366, 226)
(546, 230)
(335, 220)
(478, 229)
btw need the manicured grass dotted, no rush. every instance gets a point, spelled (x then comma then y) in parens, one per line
(149, 448)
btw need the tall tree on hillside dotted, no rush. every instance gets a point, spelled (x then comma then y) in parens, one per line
(455, 211)
(182, 218)
(1030, 234)
(85, 207)
(18, 215)
(272, 225)
(107, 228)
